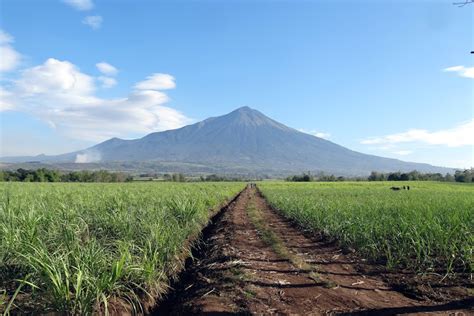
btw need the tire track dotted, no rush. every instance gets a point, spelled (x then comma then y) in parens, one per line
(253, 261)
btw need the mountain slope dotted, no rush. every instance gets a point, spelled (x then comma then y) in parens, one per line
(244, 138)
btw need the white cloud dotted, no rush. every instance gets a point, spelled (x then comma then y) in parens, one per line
(461, 135)
(107, 82)
(9, 57)
(59, 77)
(5, 100)
(467, 72)
(157, 81)
(322, 135)
(81, 5)
(106, 68)
(58, 93)
(94, 21)
(5, 38)
(316, 133)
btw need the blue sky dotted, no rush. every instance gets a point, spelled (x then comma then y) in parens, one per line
(391, 78)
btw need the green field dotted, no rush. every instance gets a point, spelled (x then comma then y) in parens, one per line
(428, 227)
(80, 248)
(76, 248)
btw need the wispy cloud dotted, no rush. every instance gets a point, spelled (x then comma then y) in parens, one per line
(81, 5)
(460, 135)
(94, 21)
(9, 57)
(107, 82)
(58, 93)
(106, 68)
(5, 99)
(316, 133)
(467, 72)
(5, 38)
(157, 81)
(322, 135)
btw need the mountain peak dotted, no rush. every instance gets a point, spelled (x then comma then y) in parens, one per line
(249, 117)
(244, 109)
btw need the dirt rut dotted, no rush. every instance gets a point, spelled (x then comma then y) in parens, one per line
(253, 261)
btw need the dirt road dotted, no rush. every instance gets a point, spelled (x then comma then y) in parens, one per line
(254, 261)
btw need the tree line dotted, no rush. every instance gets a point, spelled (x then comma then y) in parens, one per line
(308, 177)
(49, 175)
(466, 175)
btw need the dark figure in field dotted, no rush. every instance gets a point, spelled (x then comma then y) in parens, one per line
(408, 187)
(404, 188)
(395, 188)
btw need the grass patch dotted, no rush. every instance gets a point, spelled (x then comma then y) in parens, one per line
(83, 246)
(267, 235)
(275, 242)
(428, 228)
(249, 294)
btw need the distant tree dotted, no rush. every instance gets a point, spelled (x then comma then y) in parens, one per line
(376, 176)
(449, 178)
(305, 177)
(464, 176)
(413, 175)
(394, 176)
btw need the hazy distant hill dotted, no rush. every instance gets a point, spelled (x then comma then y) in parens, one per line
(242, 141)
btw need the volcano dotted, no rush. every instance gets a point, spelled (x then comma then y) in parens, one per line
(244, 140)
